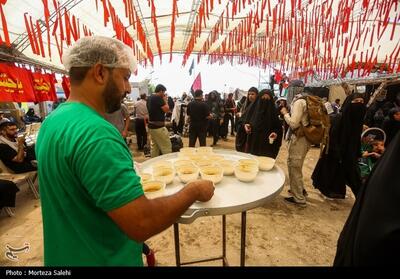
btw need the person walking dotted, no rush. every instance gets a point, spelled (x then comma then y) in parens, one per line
(198, 113)
(157, 105)
(298, 148)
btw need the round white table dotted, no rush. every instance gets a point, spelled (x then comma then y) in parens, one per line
(230, 196)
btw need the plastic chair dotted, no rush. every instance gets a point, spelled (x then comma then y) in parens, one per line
(20, 178)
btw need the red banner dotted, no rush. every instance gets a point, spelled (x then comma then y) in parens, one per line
(44, 87)
(66, 86)
(15, 84)
(196, 84)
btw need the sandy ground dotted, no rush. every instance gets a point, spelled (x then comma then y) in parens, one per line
(278, 234)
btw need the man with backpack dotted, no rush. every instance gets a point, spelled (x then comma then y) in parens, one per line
(309, 124)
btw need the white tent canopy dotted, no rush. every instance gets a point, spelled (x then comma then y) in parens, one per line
(319, 37)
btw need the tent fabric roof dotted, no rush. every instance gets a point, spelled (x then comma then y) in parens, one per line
(318, 36)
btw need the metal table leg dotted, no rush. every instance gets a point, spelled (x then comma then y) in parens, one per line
(243, 240)
(224, 260)
(223, 257)
(177, 251)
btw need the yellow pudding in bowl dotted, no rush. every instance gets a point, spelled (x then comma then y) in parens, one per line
(203, 163)
(204, 150)
(144, 177)
(215, 157)
(195, 157)
(227, 166)
(265, 163)
(187, 173)
(182, 162)
(165, 174)
(187, 150)
(248, 162)
(246, 173)
(154, 189)
(214, 173)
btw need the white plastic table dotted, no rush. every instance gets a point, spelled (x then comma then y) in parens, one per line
(230, 196)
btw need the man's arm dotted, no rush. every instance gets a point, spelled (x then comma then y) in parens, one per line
(165, 106)
(21, 151)
(142, 218)
(297, 113)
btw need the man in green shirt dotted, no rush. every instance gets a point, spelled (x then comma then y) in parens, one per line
(93, 207)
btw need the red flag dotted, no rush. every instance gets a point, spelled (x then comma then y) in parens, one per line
(44, 87)
(15, 84)
(196, 84)
(66, 85)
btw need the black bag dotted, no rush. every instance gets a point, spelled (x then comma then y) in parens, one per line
(147, 151)
(176, 142)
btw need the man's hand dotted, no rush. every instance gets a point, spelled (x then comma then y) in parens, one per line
(204, 189)
(273, 135)
(284, 110)
(221, 121)
(21, 140)
(124, 133)
(247, 128)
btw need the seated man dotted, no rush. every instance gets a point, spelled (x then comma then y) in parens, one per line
(13, 151)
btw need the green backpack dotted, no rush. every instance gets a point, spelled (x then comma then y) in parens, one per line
(317, 132)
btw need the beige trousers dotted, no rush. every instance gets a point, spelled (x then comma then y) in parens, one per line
(160, 142)
(298, 148)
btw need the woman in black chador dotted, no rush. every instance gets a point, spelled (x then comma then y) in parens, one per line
(246, 112)
(339, 167)
(371, 235)
(265, 125)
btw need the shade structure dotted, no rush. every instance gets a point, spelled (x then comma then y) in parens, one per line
(327, 38)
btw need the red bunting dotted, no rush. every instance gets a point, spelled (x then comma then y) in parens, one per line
(15, 84)
(4, 24)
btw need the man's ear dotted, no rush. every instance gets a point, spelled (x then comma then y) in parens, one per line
(100, 73)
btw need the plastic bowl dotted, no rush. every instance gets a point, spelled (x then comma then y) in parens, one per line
(187, 150)
(248, 162)
(246, 173)
(204, 163)
(144, 177)
(182, 162)
(154, 189)
(215, 157)
(204, 150)
(265, 163)
(227, 166)
(213, 173)
(165, 174)
(188, 173)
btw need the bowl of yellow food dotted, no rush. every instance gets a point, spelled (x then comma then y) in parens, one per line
(227, 166)
(204, 163)
(182, 162)
(204, 150)
(214, 173)
(144, 177)
(248, 162)
(187, 150)
(187, 173)
(165, 174)
(265, 163)
(154, 189)
(246, 173)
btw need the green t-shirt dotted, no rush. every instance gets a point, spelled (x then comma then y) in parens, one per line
(85, 170)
